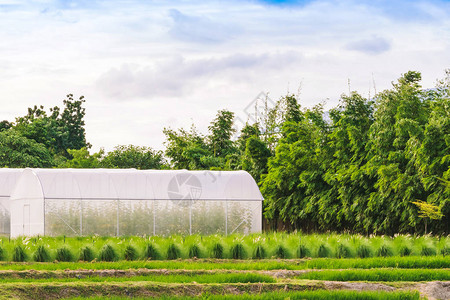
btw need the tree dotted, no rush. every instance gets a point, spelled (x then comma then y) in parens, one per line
(221, 131)
(17, 151)
(428, 210)
(130, 156)
(82, 159)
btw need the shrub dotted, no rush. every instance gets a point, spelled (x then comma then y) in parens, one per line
(259, 252)
(194, 251)
(405, 251)
(63, 254)
(151, 252)
(218, 251)
(130, 253)
(343, 251)
(19, 254)
(281, 252)
(303, 251)
(427, 251)
(238, 251)
(364, 251)
(107, 253)
(384, 251)
(323, 251)
(41, 254)
(87, 254)
(173, 252)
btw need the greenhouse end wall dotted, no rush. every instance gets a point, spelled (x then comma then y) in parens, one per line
(104, 202)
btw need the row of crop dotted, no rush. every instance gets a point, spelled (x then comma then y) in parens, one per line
(152, 251)
(257, 246)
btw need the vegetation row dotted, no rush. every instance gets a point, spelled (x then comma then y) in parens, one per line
(256, 246)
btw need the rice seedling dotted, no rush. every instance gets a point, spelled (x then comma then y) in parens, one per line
(194, 251)
(41, 254)
(384, 251)
(151, 252)
(343, 251)
(108, 253)
(259, 252)
(445, 251)
(86, 254)
(323, 251)
(404, 251)
(64, 254)
(218, 251)
(363, 251)
(19, 254)
(427, 251)
(130, 253)
(173, 252)
(238, 251)
(303, 251)
(281, 252)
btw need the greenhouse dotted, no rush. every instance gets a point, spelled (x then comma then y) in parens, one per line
(111, 202)
(8, 178)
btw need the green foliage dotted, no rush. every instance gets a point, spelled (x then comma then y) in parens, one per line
(108, 253)
(384, 251)
(2, 254)
(130, 253)
(87, 254)
(343, 251)
(405, 251)
(41, 254)
(259, 252)
(238, 251)
(19, 254)
(323, 251)
(281, 252)
(130, 156)
(173, 252)
(64, 254)
(363, 251)
(151, 252)
(427, 251)
(218, 251)
(194, 251)
(303, 251)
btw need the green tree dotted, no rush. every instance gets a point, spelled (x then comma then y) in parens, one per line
(82, 159)
(133, 157)
(221, 131)
(17, 151)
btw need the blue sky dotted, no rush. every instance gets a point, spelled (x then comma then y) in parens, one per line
(146, 65)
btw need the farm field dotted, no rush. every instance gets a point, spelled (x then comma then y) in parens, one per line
(258, 266)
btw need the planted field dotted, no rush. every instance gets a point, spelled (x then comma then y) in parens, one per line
(266, 266)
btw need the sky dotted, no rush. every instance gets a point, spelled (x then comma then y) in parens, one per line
(146, 65)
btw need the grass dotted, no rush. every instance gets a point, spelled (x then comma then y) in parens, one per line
(310, 295)
(268, 264)
(389, 275)
(166, 278)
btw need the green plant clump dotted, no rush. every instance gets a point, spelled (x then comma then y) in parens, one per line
(343, 251)
(194, 251)
(323, 251)
(173, 252)
(384, 251)
(151, 252)
(107, 253)
(218, 251)
(130, 253)
(238, 251)
(87, 254)
(363, 251)
(303, 251)
(63, 254)
(259, 252)
(41, 254)
(19, 254)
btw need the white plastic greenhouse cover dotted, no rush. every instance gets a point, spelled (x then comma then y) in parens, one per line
(35, 186)
(8, 178)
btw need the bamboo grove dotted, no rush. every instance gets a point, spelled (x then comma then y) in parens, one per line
(370, 166)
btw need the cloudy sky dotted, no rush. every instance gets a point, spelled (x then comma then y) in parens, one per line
(146, 65)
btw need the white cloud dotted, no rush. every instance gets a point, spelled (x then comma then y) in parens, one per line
(373, 45)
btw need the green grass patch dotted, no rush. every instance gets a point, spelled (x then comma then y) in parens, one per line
(378, 275)
(310, 295)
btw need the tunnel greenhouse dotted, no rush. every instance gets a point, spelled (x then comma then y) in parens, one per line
(112, 202)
